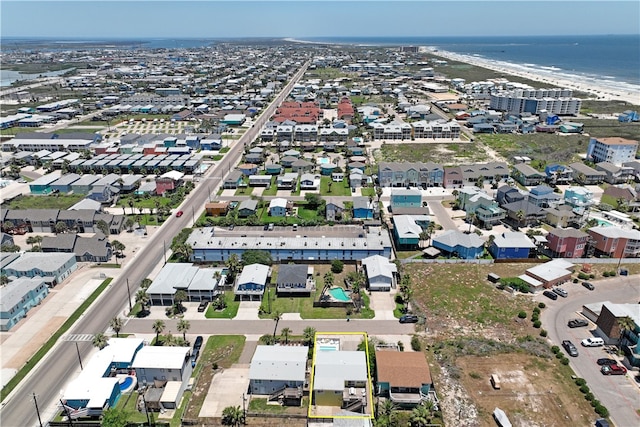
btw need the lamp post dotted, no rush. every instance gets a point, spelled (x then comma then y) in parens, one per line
(244, 410)
(129, 293)
(79, 358)
(35, 401)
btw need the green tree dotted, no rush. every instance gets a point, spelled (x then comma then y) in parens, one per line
(61, 227)
(420, 416)
(184, 326)
(313, 200)
(386, 411)
(143, 299)
(116, 324)
(118, 247)
(129, 222)
(284, 333)
(625, 324)
(233, 265)
(178, 298)
(520, 216)
(379, 193)
(100, 341)
(113, 417)
(232, 416)
(158, 327)
(183, 252)
(337, 266)
(472, 219)
(308, 335)
(256, 257)
(103, 227)
(4, 279)
(276, 316)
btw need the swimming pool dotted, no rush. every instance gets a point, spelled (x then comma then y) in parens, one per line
(323, 160)
(603, 223)
(127, 383)
(339, 294)
(327, 348)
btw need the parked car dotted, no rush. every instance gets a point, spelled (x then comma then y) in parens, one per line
(613, 370)
(592, 342)
(570, 348)
(266, 227)
(179, 214)
(577, 323)
(202, 306)
(409, 318)
(588, 285)
(606, 361)
(550, 294)
(270, 228)
(560, 292)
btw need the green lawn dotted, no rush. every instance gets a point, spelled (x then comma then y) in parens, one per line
(244, 191)
(271, 191)
(337, 188)
(144, 202)
(308, 214)
(304, 306)
(229, 312)
(447, 154)
(368, 191)
(51, 201)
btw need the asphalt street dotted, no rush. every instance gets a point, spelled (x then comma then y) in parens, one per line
(618, 393)
(48, 378)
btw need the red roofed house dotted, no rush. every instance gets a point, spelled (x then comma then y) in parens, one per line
(299, 112)
(403, 376)
(345, 109)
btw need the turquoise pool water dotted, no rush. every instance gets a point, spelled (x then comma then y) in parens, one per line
(327, 348)
(323, 160)
(603, 223)
(339, 294)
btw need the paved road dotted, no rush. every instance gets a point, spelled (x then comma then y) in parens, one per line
(441, 213)
(266, 326)
(618, 393)
(49, 377)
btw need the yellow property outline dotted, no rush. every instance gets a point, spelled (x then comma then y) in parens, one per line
(313, 369)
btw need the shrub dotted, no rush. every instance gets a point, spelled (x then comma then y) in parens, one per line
(543, 333)
(564, 361)
(580, 382)
(592, 276)
(337, 266)
(605, 274)
(575, 280)
(612, 273)
(583, 276)
(589, 396)
(535, 317)
(541, 305)
(398, 299)
(536, 310)
(602, 411)
(595, 402)
(555, 349)
(400, 346)
(415, 343)
(584, 388)
(559, 355)
(537, 324)
(522, 315)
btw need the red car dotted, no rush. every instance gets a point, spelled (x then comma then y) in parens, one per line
(179, 214)
(613, 370)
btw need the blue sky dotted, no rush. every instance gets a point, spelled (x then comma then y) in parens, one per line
(302, 18)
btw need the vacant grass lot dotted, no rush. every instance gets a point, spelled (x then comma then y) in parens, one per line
(51, 201)
(547, 147)
(229, 312)
(337, 188)
(446, 154)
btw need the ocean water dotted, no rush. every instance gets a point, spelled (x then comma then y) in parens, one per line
(609, 57)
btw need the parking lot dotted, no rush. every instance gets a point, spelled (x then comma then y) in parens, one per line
(620, 394)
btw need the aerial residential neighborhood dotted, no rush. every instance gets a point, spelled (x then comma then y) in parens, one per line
(313, 235)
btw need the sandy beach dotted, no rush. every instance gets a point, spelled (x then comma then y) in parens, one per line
(608, 90)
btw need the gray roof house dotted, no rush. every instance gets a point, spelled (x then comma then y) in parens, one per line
(275, 368)
(247, 208)
(53, 268)
(380, 272)
(295, 279)
(199, 283)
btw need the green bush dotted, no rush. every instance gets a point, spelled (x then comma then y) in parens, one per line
(536, 310)
(613, 273)
(602, 411)
(583, 276)
(522, 315)
(555, 349)
(564, 361)
(589, 396)
(592, 276)
(580, 382)
(537, 324)
(584, 388)
(559, 355)
(543, 333)
(415, 343)
(595, 402)
(535, 317)
(337, 266)
(541, 305)
(575, 280)
(605, 274)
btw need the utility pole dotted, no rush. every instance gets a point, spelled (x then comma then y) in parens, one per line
(79, 358)
(129, 292)
(66, 411)
(164, 250)
(35, 401)
(244, 410)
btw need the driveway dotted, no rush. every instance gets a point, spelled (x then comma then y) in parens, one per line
(618, 393)
(383, 305)
(227, 389)
(444, 219)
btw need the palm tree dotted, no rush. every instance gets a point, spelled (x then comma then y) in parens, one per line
(233, 264)
(625, 324)
(430, 229)
(480, 182)
(379, 192)
(118, 247)
(116, 324)
(178, 298)
(131, 206)
(103, 227)
(276, 316)
(520, 216)
(387, 409)
(284, 333)
(184, 252)
(420, 416)
(129, 223)
(309, 334)
(61, 227)
(142, 298)
(183, 326)
(232, 416)
(472, 218)
(158, 326)
(100, 341)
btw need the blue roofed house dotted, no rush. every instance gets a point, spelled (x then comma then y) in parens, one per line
(558, 174)
(544, 196)
(252, 281)
(462, 245)
(362, 208)
(403, 198)
(18, 297)
(406, 232)
(511, 245)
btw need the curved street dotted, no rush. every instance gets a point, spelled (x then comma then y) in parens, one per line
(48, 378)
